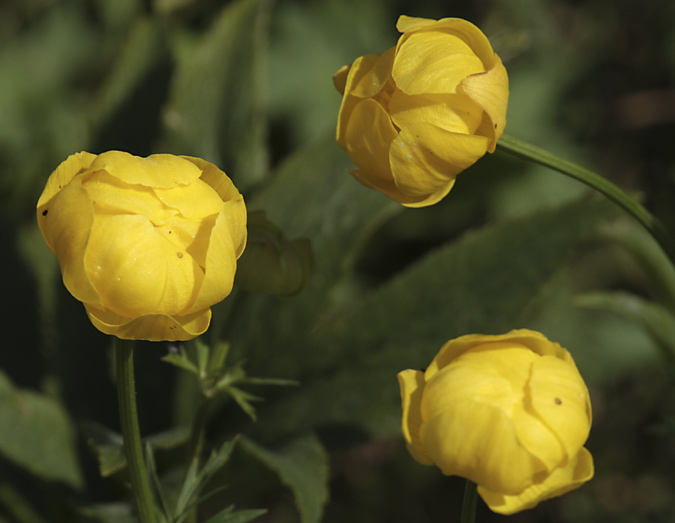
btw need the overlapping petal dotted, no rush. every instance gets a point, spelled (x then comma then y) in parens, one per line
(147, 244)
(439, 97)
(510, 412)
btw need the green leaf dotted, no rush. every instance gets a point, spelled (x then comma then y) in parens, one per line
(656, 319)
(138, 58)
(19, 508)
(215, 108)
(182, 359)
(239, 516)
(109, 447)
(243, 399)
(483, 283)
(195, 481)
(161, 508)
(302, 465)
(36, 434)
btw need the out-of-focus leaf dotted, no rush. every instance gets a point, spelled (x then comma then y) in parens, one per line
(483, 283)
(215, 108)
(44, 118)
(302, 465)
(302, 91)
(138, 57)
(110, 513)
(19, 508)
(109, 447)
(653, 317)
(313, 196)
(36, 434)
(649, 255)
(229, 515)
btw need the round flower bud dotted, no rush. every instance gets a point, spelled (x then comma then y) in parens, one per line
(271, 264)
(415, 116)
(148, 245)
(511, 413)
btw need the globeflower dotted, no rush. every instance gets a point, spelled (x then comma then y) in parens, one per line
(148, 245)
(510, 412)
(415, 116)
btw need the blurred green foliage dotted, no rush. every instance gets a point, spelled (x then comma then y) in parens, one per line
(247, 85)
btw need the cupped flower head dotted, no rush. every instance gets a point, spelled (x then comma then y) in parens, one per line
(415, 116)
(510, 412)
(148, 245)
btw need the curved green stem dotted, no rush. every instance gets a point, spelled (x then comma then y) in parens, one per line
(126, 396)
(652, 224)
(469, 502)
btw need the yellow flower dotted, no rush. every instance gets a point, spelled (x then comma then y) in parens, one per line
(148, 245)
(510, 412)
(415, 116)
(271, 263)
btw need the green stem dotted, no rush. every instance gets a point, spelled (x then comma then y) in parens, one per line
(652, 224)
(469, 502)
(126, 396)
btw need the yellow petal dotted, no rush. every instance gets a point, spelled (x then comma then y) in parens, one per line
(340, 78)
(369, 74)
(493, 373)
(65, 221)
(367, 138)
(533, 340)
(110, 195)
(216, 179)
(456, 113)
(434, 62)
(578, 471)
(561, 400)
(425, 160)
(155, 327)
(63, 174)
(411, 383)
(195, 200)
(221, 254)
(410, 24)
(478, 442)
(490, 91)
(537, 438)
(465, 30)
(137, 270)
(157, 170)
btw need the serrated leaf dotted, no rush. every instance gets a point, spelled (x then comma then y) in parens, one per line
(215, 108)
(239, 516)
(36, 434)
(302, 465)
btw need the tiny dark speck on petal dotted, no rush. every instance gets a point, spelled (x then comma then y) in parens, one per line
(558, 401)
(495, 126)
(179, 254)
(44, 213)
